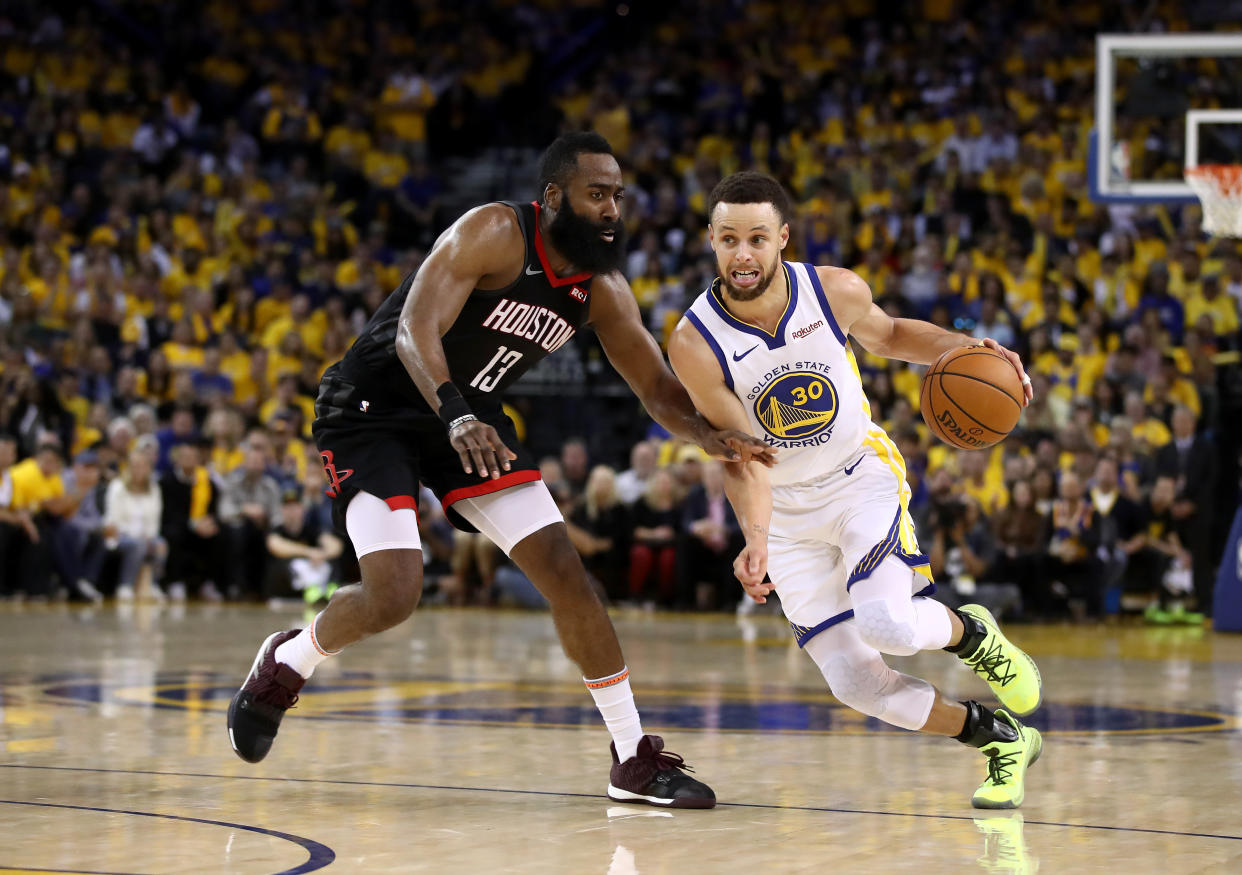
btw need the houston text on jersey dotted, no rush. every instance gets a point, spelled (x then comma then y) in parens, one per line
(534, 323)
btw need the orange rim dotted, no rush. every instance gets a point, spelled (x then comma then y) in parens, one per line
(1225, 178)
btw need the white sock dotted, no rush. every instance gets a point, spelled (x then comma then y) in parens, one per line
(615, 701)
(302, 652)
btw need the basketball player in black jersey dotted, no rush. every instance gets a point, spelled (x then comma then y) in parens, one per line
(417, 397)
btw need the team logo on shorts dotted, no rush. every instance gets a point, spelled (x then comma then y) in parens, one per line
(797, 405)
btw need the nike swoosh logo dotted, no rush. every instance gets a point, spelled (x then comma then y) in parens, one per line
(530, 272)
(850, 468)
(738, 358)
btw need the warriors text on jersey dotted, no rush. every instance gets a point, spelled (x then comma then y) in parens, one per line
(498, 335)
(800, 386)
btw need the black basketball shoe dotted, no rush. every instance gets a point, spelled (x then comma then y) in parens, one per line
(270, 690)
(654, 776)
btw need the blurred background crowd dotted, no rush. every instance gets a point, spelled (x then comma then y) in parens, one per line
(201, 204)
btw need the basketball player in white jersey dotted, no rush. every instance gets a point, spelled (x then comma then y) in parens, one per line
(764, 350)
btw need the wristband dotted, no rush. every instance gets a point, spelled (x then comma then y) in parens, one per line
(453, 407)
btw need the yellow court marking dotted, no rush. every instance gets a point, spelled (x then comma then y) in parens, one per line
(41, 872)
(30, 745)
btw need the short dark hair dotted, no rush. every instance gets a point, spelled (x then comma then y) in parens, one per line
(751, 187)
(560, 159)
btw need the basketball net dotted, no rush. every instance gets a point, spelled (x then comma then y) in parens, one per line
(1219, 188)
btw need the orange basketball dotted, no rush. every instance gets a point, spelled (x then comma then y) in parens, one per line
(971, 397)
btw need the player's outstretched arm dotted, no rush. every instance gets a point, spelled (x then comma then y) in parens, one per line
(482, 248)
(910, 340)
(746, 485)
(636, 356)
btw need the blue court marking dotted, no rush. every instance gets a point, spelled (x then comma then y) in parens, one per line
(777, 710)
(565, 795)
(320, 855)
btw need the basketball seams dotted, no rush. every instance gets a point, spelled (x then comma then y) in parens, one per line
(985, 382)
(972, 351)
(966, 413)
(962, 410)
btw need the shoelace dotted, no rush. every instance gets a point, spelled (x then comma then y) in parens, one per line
(991, 663)
(999, 768)
(273, 692)
(665, 760)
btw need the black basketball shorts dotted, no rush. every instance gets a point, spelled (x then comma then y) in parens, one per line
(389, 455)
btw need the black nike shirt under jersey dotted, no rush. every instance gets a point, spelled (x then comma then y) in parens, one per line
(497, 337)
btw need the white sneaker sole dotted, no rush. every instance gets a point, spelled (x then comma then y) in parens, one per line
(616, 794)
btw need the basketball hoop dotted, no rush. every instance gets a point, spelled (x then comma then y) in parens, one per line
(1219, 187)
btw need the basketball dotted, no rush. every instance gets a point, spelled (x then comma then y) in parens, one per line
(971, 397)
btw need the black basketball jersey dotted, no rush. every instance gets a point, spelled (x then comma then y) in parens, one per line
(498, 335)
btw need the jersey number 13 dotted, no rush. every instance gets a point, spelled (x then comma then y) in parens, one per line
(487, 379)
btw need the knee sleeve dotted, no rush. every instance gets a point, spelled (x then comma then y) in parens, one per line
(888, 626)
(890, 620)
(875, 689)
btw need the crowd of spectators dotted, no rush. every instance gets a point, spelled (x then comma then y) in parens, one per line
(201, 204)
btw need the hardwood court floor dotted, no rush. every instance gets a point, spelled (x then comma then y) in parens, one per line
(464, 741)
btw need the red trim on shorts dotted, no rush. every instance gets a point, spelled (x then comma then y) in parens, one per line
(402, 502)
(555, 280)
(487, 487)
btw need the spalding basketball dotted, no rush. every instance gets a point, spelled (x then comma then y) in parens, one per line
(971, 397)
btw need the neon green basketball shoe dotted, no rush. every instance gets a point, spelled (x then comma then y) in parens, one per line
(1012, 675)
(1007, 761)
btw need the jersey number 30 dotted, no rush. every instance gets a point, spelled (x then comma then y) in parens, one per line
(504, 359)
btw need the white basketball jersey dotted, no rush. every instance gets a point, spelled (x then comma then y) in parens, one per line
(800, 387)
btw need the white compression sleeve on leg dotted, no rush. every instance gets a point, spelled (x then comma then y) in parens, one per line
(615, 701)
(511, 514)
(890, 619)
(858, 676)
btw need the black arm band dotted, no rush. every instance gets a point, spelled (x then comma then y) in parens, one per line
(452, 406)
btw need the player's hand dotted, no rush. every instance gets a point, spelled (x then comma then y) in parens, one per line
(1017, 364)
(730, 445)
(750, 567)
(480, 449)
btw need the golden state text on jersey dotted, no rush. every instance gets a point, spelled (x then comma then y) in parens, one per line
(799, 385)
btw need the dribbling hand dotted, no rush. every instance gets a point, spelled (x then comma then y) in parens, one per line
(480, 449)
(1017, 364)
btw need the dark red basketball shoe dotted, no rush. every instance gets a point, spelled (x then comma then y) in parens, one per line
(270, 690)
(654, 776)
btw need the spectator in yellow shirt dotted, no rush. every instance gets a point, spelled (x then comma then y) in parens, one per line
(181, 351)
(290, 126)
(385, 166)
(191, 269)
(226, 428)
(981, 482)
(1168, 388)
(1145, 428)
(1215, 307)
(38, 494)
(286, 401)
(308, 324)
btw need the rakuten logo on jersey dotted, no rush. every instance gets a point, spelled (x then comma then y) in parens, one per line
(539, 325)
(803, 332)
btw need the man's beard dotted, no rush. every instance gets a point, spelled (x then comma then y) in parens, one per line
(748, 293)
(577, 238)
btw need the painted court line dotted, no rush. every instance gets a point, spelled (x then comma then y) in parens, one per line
(318, 855)
(562, 794)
